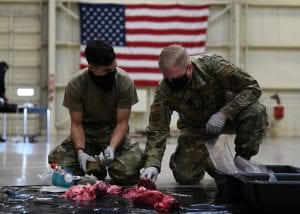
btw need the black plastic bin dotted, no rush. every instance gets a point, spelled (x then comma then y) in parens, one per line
(281, 196)
(230, 186)
(283, 169)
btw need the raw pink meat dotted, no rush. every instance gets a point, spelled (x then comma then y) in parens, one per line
(142, 196)
(114, 190)
(167, 204)
(133, 192)
(148, 198)
(80, 192)
(147, 183)
(139, 195)
(101, 188)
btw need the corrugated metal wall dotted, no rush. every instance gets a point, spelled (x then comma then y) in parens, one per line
(20, 47)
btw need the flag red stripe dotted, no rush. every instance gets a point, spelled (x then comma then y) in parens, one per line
(166, 19)
(145, 82)
(165, 44)
(167, 6)
(166, 32)
(132, 69)
(140, 69)
(82, 66)
(137, 56)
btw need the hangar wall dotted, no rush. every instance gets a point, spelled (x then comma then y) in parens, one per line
(20, 47)
(259, 36)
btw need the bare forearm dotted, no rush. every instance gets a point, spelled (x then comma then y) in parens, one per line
(77, 134)
(118, 135)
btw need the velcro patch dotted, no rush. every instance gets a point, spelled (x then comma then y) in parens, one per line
(225, 70)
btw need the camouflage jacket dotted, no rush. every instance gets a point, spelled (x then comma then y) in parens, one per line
(216, 85)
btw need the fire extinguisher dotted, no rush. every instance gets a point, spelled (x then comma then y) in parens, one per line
(278, 111)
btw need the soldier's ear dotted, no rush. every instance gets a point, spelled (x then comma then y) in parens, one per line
(189, 70)
(91, 67)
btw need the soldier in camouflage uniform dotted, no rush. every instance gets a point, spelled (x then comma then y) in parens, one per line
(99, 100)
(212, 97)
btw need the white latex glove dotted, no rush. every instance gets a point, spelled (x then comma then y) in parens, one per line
(215, 123)
(83, 158)
(109, 154)
(150, 173)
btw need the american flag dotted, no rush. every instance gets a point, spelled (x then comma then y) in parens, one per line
(139, 32)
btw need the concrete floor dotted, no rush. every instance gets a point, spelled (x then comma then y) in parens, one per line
(20, 163)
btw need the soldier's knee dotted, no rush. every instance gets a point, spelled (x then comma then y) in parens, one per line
(247, 147)
(253, 119)
(97, 169)
(260, 114)
(185, 174)
(124, 178)
(56, 155)
(247, 152)
(63, 154)
(186, 178)
(125, 169)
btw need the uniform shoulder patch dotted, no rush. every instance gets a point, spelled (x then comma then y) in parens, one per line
(225, 70)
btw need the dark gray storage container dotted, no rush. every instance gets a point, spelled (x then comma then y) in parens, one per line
(281, 196)
(229, 185)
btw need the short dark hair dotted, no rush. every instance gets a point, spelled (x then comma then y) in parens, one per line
(99, 52)
(3, 64)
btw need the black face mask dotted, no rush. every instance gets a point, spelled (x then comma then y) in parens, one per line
(105, 82)
(179, 83)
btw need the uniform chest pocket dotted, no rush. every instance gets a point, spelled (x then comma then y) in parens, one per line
(188, 103)
(213, 97)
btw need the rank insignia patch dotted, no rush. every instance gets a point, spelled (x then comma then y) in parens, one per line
(225, 71)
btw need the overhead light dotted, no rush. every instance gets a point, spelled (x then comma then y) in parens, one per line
(25, 92)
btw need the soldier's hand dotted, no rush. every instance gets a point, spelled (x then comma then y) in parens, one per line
(150, 173)
(109, 154)
(216, 123)
(83, 158)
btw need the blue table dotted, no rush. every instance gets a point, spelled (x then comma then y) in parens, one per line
(25, 111)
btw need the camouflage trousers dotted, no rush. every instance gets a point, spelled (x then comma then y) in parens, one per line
(191, 159)
(123, 170)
